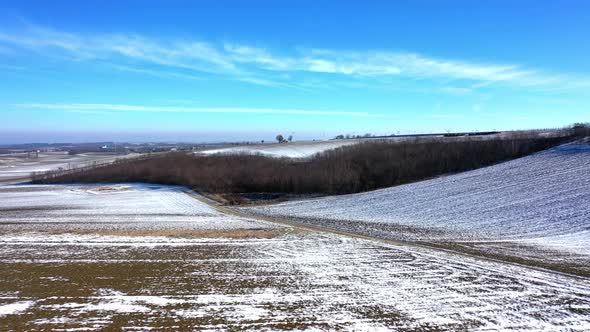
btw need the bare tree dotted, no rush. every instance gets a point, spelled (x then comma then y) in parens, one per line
(359, 167)
(581, 129)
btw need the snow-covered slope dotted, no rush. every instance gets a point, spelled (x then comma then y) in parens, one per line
(540, 199)
(14, 167)
(111, 209)
(289, 150)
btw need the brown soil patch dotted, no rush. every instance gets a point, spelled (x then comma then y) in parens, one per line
(182, 233)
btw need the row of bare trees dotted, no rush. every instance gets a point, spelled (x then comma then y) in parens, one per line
(360, 167)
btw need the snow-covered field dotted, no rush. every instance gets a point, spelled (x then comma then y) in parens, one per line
(289, 150)
(139, 257)
(112, 209)
(310, 148)
(539, 200)
(294, 281)
(18, 167)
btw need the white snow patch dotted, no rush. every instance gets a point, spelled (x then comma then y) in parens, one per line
(13, 166)
(111, 207)
(15, 308)
(289, 150)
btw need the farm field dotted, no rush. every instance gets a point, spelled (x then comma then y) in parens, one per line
(288, 150)
(405, 166)
(306, 149)
(134, 209)
(533, 208)
(136, 257)
(15, 167)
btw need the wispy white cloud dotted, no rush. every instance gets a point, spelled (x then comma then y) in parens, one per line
(196, 56)
(156, 73)
(249, 54)
(383, 63)
(80, 108)
(257, 65)
(38, 38)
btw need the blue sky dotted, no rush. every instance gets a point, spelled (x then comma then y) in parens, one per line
(246, 70)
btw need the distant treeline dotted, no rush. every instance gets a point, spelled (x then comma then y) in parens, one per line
(354, 168)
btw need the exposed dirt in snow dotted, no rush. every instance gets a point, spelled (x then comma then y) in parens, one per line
(64, 265)
(297, 281)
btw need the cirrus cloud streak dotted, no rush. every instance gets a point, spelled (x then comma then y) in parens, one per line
(182, 58)
(93, 108)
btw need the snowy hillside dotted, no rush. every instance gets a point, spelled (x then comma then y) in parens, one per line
(289, 150)
(113, 208)
(541, 199)
(12, 167)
